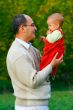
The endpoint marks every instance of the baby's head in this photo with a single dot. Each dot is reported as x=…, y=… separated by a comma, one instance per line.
x=55, y=21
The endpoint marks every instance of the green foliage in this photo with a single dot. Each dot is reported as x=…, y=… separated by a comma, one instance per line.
x=39, y=10
x=5, y=86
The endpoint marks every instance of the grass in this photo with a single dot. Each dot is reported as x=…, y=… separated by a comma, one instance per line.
x=60, y=100
x=7, y=101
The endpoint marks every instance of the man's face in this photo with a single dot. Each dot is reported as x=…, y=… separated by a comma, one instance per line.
x=30, y=28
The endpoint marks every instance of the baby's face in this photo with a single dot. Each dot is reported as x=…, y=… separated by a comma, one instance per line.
x=52, y=25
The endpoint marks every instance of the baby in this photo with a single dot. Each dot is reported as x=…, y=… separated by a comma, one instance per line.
x=54, y=42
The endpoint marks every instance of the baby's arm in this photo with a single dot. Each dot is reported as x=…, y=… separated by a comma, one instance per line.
x=54, y=36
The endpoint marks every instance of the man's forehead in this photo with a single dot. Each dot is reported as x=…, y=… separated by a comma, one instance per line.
x=28, y=18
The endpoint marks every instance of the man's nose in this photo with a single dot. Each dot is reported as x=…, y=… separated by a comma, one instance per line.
x=35, y=28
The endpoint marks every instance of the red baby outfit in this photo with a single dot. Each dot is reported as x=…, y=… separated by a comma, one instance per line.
x=50, y=49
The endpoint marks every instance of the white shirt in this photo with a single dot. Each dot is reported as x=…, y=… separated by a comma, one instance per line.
x=25, y=44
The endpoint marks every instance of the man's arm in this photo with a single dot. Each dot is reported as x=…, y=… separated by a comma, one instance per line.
x=28, y=76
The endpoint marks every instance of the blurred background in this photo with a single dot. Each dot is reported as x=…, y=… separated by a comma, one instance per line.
x=39, y=10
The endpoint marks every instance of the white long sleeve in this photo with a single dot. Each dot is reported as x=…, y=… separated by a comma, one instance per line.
x=54, y=36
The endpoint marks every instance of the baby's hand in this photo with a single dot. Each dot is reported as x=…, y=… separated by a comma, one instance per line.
x=49, y=31
x=42, y=38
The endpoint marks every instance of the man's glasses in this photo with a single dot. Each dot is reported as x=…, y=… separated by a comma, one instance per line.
x=30, y=25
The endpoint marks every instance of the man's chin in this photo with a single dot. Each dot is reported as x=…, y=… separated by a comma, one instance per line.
x=33, y=37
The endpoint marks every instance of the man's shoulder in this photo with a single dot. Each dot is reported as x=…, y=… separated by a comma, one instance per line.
x=15, y=51
x=36, y=49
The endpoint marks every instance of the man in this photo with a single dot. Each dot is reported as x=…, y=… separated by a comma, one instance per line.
x=31, y=89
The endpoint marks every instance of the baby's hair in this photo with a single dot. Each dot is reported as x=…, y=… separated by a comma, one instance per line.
x=57, y=17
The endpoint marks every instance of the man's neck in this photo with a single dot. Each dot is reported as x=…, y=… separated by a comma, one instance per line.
x=22, y=38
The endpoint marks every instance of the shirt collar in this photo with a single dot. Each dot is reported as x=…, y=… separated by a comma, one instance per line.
x=25, y=44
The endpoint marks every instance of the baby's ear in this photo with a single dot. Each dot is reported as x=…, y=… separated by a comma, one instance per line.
x=57, y=24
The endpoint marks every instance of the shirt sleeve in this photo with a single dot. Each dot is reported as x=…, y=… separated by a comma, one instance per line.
x=54, y=36
x=27, y=74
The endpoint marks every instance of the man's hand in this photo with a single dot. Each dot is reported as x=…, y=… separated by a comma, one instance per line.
x=56, y=61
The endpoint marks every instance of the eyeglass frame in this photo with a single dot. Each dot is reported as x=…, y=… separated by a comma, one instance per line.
x=32, y=25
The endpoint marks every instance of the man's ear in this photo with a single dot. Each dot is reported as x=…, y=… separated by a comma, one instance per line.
x=21, y=29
